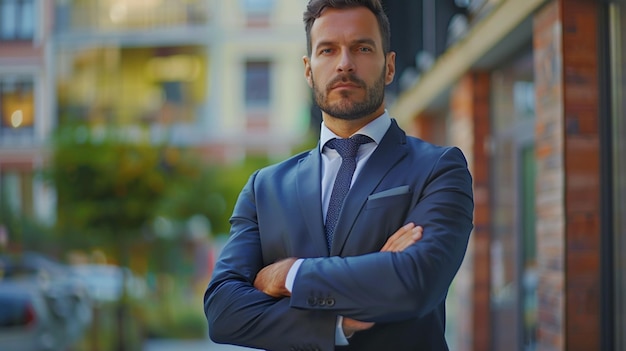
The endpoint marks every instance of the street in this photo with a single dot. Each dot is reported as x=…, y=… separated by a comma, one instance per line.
x=189, y=345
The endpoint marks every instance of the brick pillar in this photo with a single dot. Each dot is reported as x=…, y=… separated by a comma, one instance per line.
x=568, y=229
x=469, y=130
x=430, y=127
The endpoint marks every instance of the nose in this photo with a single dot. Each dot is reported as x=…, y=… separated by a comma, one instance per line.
x=346, y=62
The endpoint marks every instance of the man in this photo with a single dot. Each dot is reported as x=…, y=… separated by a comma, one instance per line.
x=306, y=269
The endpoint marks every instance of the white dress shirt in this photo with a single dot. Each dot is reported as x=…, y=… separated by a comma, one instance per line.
x=331, y=161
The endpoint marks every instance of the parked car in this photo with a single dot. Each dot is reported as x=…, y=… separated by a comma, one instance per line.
x=30, y=319
x=104, y=282
x=42, y=307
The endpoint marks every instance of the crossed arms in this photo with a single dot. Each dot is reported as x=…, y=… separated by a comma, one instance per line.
x=272, y=278
x=376, y=287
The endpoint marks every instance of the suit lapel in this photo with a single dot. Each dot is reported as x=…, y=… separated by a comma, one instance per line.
x=309, y=193
x=390, y=150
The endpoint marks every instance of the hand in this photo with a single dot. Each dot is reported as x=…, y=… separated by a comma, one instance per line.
x=271, y=279
x=351, y=326
x=404, y=237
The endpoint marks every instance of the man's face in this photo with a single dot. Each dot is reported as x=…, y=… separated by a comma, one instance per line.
x=348, y=69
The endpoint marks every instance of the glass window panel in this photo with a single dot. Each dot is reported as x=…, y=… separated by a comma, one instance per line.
x=11, y=192
x=17, y=103
x=8, y=19
x=16, y=192
x=17, y=19
x=258, y=12
x=513, y=276
x=258, y=6
x=529, y=273
x=27, y=20
x=257, y=83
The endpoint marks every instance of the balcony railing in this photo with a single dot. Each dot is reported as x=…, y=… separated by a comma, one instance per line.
x=115, y=15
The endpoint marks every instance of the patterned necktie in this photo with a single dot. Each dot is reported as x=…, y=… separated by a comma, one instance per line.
x=347, y=149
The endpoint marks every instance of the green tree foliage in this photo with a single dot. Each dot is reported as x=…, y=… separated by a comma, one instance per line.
x=110, y=187
x=107, y=185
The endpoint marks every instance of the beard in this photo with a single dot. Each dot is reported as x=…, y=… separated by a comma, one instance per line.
x=346, y=108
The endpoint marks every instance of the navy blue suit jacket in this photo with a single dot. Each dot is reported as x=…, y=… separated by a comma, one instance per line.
x=279, y=214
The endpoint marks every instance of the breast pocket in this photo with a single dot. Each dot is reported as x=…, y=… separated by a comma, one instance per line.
x=388, y=212
x=380, y=218
x=390, y=197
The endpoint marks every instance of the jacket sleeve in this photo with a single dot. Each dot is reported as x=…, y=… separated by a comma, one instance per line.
x=385, y=286
x=239, y=314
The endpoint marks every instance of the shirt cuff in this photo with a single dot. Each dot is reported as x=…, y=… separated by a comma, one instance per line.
x=340, y=337
x=291, y=275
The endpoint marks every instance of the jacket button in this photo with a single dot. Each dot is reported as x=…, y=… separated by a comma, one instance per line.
x=321, y=301
x=311, y=301
x=330, y=302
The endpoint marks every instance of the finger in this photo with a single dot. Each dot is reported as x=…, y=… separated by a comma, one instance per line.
x=271, y=278
x=352, y=325
x=403, y=230
x=260, y=279
x=406, y=240
x=418, y=233
x=402, y=241
x=398, y=234
x=264, y=280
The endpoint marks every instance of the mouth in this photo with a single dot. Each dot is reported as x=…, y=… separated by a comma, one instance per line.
x=345, y=83
x=344, y=86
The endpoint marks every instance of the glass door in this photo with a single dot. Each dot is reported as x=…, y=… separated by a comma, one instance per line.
x=513, y=173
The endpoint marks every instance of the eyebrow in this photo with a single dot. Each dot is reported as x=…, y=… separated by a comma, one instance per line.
x=357, y=41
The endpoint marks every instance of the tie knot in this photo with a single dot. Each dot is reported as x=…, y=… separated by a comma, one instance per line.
x=348, y=148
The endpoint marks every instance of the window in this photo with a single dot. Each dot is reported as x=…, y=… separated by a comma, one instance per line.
x=258, y=12
x=513, y=246
x=257, y=84
x=258, y=95
x=16, y=193
x=17, y=103
x=258, y=6
x=17, y=19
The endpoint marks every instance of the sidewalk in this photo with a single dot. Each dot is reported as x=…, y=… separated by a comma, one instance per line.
x=189, y=345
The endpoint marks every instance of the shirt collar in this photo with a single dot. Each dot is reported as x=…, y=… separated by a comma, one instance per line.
x=376, y=130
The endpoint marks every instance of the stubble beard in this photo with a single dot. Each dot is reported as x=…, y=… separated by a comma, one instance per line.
x=347, y=108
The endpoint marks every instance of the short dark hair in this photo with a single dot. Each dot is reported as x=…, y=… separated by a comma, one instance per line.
x=315, y=8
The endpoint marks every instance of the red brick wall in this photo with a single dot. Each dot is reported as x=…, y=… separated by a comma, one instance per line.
x=482, y=213
x=566, y=69
x=430, y=127
x=469, y=129
x=582, y=169
x=550, y=193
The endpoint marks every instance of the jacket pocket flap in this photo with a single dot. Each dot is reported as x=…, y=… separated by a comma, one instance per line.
x=390, y=192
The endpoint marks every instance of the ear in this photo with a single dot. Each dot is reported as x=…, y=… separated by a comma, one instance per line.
x=390, y=67
x=307, y=70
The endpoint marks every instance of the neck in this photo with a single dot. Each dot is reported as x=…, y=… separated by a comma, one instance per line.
x=344, y=128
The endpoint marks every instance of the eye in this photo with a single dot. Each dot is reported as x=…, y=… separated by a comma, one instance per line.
x=326, y=51
x=365, y=49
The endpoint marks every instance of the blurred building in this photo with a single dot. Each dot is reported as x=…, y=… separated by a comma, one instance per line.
x=223, y=77
x=534, y=92
x=26, y=106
